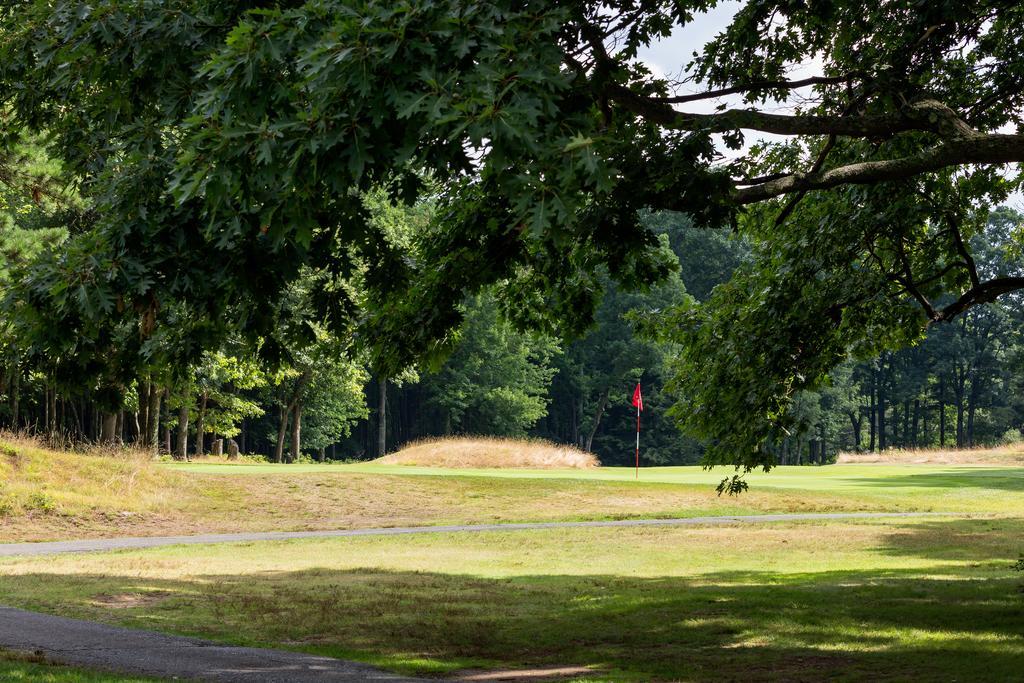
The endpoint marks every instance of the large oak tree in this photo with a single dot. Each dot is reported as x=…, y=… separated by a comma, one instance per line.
x=226, y=146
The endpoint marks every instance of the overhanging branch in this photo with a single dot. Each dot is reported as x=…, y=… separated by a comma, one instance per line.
x=980, y=149
x=983, y=293
x=754, y=87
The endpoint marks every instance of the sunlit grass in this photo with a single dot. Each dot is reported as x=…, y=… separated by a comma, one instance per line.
x=47, y=495
x=921, y=600
x=16, y=667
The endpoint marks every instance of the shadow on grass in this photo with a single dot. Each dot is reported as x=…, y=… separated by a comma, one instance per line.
x=992, y=542
x=949, y=623
x=1000, y=479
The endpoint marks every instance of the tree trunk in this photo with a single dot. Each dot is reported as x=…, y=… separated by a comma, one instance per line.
x=166, y=417
x=51, y=410
x=942, y=410
x=972, y=404
x=181, y=452
x=601, y=404
x=153, y=416
x=881, y=421
x=297, y=432
x=282, y=425
x=873, y=419
x=108, y=429
x=915, y=422
x=959, y=424
x=201, y=426
x=143, y=413
x=856, y=419
x=382, y=416
x=958, y=394
x=907, y=438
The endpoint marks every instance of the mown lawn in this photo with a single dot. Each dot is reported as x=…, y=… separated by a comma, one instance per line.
x=953, y=488
x=932, y=599
x=17, y=667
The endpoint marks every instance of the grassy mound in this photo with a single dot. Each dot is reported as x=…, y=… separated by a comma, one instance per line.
x=1001, y=455
x=36, y=481
x=474, y=452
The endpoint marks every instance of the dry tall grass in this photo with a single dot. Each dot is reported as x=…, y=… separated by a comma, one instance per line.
x=37, y=480
x=487, y=452
x=999, y=455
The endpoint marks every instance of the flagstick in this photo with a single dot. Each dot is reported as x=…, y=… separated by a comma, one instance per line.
x=637, y=476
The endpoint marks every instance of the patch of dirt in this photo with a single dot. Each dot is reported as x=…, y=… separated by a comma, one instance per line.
x=551, y=673
x=130, y=600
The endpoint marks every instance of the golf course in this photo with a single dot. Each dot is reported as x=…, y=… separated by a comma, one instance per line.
x=850, y=598
x=481, y=341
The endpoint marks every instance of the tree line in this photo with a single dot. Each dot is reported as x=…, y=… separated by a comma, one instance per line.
x=957, y=387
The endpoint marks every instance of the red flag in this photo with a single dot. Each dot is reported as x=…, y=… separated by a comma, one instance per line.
x=638, y=399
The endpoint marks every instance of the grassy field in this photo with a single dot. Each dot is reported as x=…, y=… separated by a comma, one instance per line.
x=46, y=495
x=907, y=600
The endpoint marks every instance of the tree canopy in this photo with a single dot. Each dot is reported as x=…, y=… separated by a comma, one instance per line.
x=218, y=152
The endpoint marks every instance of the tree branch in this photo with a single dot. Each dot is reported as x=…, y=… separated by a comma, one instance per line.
x=980, y=149
x=868, y=126
x=984, y=293
x=757, y=85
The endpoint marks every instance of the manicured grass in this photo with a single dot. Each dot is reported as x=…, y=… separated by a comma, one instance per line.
x=961, y=488
x=15, y=667
x=885, y=600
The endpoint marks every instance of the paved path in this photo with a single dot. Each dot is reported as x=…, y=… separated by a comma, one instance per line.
x=131, y=543
x=130, y=651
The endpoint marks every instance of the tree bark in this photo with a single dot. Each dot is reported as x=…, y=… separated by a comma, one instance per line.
x=873, y=417
x=108, y=429
x=153, y=416
x=856, y=419
x=181, y=453
x=297, y=432
x=201, y=425
x=282, y=425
